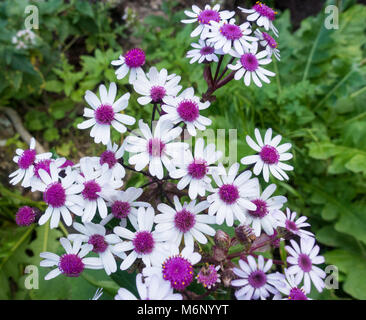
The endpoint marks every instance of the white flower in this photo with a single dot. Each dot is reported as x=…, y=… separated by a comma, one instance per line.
x=177, y=267
x=26, y=159
x=262, y=15
x=249, y=66
x=288, y=222
x=194, y=171
x=270, y=44
x=302, y=260
x=155, y=149
x=144, y=243
x=289, y=288
x=230, y=199
x=154, y=289
x=227, y=35
x=123, y=204
x=184, y=221
x=156, y=86
x=96, y=187
x=60, y=194
x=205, y=17
x=103, y=245
x=105, y=113
x=254, y=281
x=132, y=61
x=203, y=52
x=262, y=217
x=270, y=156
x=97, y=294
x=186, y=107
x=109, y=159
x=71, y=264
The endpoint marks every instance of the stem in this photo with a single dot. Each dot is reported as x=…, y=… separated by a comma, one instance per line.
x=218, y=68
x=226, y=68
x=225, y=80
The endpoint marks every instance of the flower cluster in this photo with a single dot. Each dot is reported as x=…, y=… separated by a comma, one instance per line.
x=169, y=228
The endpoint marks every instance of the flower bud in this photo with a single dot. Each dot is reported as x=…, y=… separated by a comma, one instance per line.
x=222, y=239
x=227, y=276
x=219, y=254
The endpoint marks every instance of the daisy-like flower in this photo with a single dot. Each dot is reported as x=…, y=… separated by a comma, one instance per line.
x=209, y=276
x=186, y=107
x=109, y=159
x=302, y=260
x=105, y=113
x=72, y=263
x=289, y=222
x=123, y=205
x=177, y=267
x=262, y=15
x=144, y=243
x=289, y=288
x=230, y=199
x=194, y=171
x=270, y=156
x=263, y=216
x=26, y=160
x=203, y=52
x=60, y=194
x=270, y=44
x=205, y=17
x=155, y=149
x=96, y=187
x=156, y=86
x=184, y=221
x=154, y=289
x=254, y=281
x=249, y=66
x=132, y=61
x=226, y=35
x=103, y=244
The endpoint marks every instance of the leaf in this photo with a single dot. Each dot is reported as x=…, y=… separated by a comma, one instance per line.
x=357, y=163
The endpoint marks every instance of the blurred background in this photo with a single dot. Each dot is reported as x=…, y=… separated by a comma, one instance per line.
x=317, y=102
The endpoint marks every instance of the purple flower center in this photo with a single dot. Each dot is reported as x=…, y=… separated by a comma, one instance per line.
x=27, y=159
x=231, y=31
x=229, y=193
x=207, y=50
x=271, y=42
x=188, y=110
x=55, y=195
x=198, y=169
x=155, y=147
x=108, y=157
x=304, y=262
x=290, y=225
x=91, y=188
x=208, y=15
x=261, y=210
x=297, y=294
x=25, y=216
x=249, y=61
x=43, y=164
x=208, y=277
x=71, y=265
x=269, y=154
x=157, y=93
x=143, y=242
x=121, y=209
x=184, y=220
x=257, y=279
x=265, y=11
x=67, y=163
x=178, y=271
x=104, y=114
x=135, y=58
x=98, y=242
